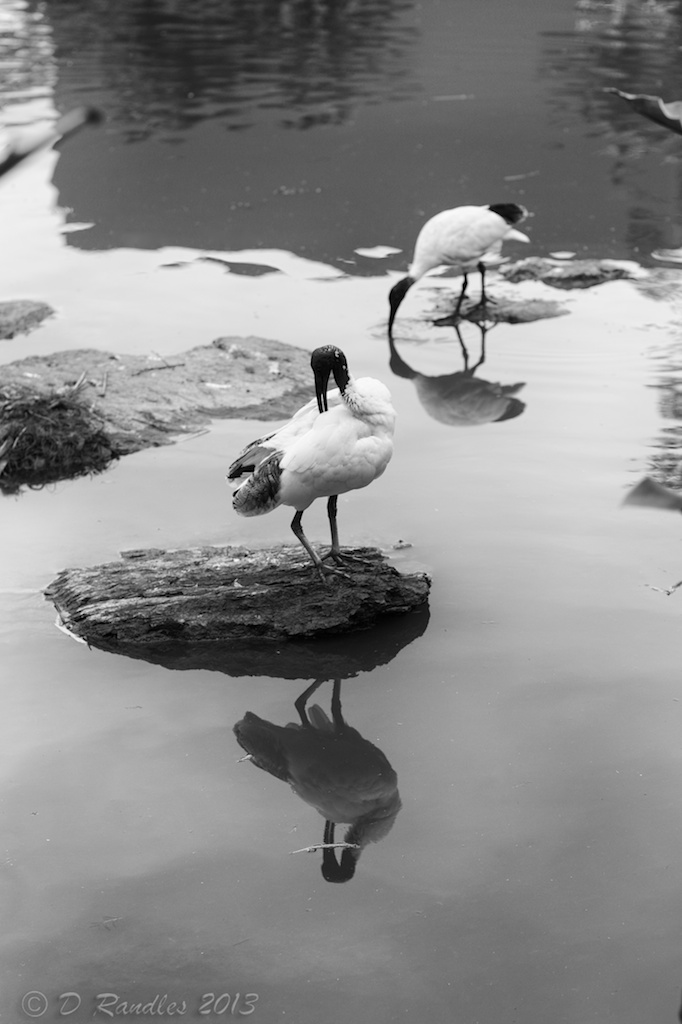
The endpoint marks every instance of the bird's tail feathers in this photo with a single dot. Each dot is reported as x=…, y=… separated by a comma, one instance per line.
x=260, y=492
x=250, y=457
x=518, y=236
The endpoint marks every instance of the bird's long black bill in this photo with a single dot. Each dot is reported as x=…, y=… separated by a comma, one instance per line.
x=321, y=385
x=395, y=297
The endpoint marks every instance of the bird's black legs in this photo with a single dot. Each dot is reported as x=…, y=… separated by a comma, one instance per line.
x=484, y=331
x=303, y=699
x=336, y=704
x=481, y=270
x=335, y=552
x=485, y=299
x=300, y=535
x=465, y=351
x=461, y=295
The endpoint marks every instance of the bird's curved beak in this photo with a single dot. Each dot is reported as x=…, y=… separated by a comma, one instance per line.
x=395, y=297
x=322, y=375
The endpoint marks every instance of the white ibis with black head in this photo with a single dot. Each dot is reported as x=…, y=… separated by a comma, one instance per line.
x=339, y=443
x=67, y=124
x=464, y=238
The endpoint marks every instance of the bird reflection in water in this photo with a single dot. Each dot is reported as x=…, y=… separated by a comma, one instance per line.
x=334, y=769
x=461, y=399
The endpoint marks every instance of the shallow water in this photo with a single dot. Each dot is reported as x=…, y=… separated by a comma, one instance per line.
x=532, y=715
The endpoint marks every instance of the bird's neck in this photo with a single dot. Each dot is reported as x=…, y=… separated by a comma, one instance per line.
x=364, y=405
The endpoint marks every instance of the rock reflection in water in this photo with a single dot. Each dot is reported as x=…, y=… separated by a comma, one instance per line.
x=461, y=399
x=321, y=659
x=334, y=769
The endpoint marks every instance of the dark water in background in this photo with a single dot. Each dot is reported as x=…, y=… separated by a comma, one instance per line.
x=316, y=127
x=531, y=716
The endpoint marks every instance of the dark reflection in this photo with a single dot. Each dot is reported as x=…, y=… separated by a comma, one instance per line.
x=336, y=657
x=334, y=769
x=461, y=399
x=649, y=493
x=165, y=65
x=634, y=46
x=666, y=451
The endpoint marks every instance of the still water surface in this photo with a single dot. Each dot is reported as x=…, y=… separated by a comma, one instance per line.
x=532, y=716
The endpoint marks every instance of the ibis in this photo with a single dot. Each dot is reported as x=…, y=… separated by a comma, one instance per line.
x=334, y=444
x=464, y=238
x=332, y=767
x=66, y=125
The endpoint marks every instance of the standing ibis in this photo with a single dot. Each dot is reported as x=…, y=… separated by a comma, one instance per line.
x=61, y=129
x=334, y=769
x=464, y=238
x=335, y=444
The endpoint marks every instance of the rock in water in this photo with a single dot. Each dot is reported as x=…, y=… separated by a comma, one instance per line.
x=201, y=595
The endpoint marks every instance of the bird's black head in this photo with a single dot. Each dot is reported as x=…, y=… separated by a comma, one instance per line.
x=341, y=870
x=510, y=212
x=396, y=296
x=324, y=361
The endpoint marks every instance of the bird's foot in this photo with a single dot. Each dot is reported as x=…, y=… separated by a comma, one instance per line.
x=451, y=320
x=340, y=557
x=326, y=571
x=485, y=300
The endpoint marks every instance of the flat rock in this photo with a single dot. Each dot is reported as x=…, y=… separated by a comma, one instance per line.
x=565, y=274
x=501, y=310
x=21, y=316
x=228, y=595
x=144, y=401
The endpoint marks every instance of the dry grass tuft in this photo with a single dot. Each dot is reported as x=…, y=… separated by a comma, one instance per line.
x=49, y=437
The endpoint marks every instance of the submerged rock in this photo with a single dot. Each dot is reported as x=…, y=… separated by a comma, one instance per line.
x=225, y=595
x=567, y=275
x=21, y=316
x=508, y=311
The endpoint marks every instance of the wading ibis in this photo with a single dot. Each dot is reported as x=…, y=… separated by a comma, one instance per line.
x=61, y=129
x=334, y=769
x=463, y=238
x=335, y=444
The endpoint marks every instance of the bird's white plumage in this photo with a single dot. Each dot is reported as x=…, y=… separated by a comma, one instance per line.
x=460, y=238
x=465, y=237
x=344, y=449
x=328, y=453
x=319, y=454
